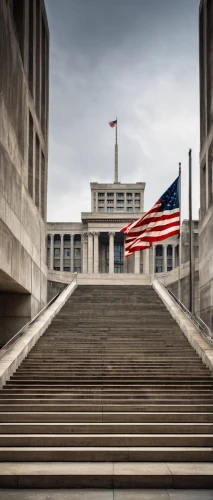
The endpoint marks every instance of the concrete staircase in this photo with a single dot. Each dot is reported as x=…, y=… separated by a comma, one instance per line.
x=112, y=380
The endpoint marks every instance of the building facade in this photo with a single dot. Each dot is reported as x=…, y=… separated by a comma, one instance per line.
x=24, y=74
x=95, y=245
x=206, y=161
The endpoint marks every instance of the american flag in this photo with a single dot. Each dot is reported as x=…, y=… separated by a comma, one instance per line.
x=113, y=123
x=161, y=222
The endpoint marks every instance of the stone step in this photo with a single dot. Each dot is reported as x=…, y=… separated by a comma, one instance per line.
x=107, y=408
x=106, y=440
x=106, y=428
x=106, y=402
x=146, y=394
x=106, y=454
x=96, y=388
x=77, y=475
x=127, y=417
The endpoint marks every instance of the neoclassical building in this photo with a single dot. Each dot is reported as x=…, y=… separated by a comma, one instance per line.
x=95, y=245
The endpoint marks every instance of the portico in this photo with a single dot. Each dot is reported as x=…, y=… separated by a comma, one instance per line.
x=96, y=246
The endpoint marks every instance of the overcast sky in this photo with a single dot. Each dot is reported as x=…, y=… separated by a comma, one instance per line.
x=134, y=59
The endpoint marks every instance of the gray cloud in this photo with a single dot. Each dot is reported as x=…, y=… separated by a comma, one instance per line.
x=137, y=60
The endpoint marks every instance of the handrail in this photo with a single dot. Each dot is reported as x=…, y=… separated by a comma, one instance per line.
x=194, y=318
x=19, y=334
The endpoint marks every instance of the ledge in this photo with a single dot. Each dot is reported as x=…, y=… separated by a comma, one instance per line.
x=201, y=346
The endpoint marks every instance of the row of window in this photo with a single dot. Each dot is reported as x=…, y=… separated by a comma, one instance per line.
x=67, y=252
x=118, y=209
x=67, y=269
x=66, y=237
x=119, y=195
x=119, y=204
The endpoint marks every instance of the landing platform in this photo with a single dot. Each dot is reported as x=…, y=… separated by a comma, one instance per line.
x=106, y=475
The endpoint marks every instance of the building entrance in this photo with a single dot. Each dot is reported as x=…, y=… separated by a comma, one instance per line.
x=118, y=258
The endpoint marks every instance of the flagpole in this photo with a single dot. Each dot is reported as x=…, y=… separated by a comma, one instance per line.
x=191, y=248
x=180, y=238
x=116, y=151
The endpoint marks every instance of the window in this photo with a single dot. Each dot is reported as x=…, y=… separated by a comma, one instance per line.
x=56, y=252
x=137, y=196
x=110, y=209
x=120, y=202
x=110, y=202
x=169, y=251
x=100, y=202
x=110, y=195
x=67, y=269
x=159, y=259
x=118, y=258
x=77, y=253
x=159, y=269
x=120, y=195
x=57, y=237
x=169, y=257
x=159, y=251
x=56, y=268
x=101, y=209
x=101, y=195
x=129, y=195
x=119, y=209
x=66, y=252
x=77, y=269
x=129, y=202
x=129, y=209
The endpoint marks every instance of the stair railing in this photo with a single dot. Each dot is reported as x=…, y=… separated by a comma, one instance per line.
x=195, y=319
x=24, y=328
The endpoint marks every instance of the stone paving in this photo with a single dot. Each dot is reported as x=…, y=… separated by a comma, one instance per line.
x=106, y=494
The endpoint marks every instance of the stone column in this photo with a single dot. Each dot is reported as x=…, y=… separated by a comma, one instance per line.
x=96, y=253
x=146, y=261
x=90, y=253
x=72, y=253
x=165, y=258
x=173, y=256
x=62, y=253
x=111, y=253
x=137, y=263
x=51, y=251
x=85, y=258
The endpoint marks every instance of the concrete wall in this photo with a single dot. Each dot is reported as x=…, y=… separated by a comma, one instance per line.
x=206, y=162
x=23, y=272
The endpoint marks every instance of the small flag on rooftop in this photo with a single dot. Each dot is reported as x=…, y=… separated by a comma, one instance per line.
x=161, y=222
x=113, y=123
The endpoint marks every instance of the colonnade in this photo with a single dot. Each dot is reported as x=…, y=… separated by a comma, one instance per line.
x=62, y=251
x=90, y=254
